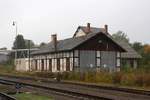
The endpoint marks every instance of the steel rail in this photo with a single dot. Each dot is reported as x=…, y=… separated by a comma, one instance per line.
x=4, y=96
x=64, y=91
x=121, y=89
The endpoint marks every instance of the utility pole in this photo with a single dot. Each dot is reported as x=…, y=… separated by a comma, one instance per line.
x=15, y=24
x=29, y=47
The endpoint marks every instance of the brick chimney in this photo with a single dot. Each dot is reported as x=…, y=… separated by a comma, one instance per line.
x=54, y=41
x=88, y=28
x=106, y=28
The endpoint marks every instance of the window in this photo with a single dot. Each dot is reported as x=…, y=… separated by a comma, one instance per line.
x=61, y=64
x=76, y=53
x=118, y=62
x=71, y=63
x=98, y=62
x=64, y=54
x=71, y=54
x=64, y=63
x=118, y=54
x=53, y=63
x=67, y=54
x=98, y=54
x=76, y=62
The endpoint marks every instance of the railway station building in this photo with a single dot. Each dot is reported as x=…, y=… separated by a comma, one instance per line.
x=89, y=48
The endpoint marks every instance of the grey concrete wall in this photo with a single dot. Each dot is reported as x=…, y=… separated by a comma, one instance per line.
x=3, y=58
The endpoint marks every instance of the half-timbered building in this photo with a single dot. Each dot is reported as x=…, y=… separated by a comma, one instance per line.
x=89, y=48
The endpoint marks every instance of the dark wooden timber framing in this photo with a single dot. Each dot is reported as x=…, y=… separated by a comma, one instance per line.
x=68, y=56
x=36, y=64
x=58, y=64
x=42, y=64
x=67, y=64
x=94, y=44
x=100, y=42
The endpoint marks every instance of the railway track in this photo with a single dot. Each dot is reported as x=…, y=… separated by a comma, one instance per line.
x=79, y=95
x=129, y=90
x=4, y=96
x=104, y=92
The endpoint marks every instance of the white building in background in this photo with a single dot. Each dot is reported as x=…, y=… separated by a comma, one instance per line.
x=23, y=61
x=4, y=55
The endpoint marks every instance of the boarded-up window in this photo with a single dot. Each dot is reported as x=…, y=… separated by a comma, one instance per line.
x=76, y=53
x=76, y=62
x=98, y=54
x=71, y=63
x=61, y=64
x=58, y=64
x=118, y=54
x=67, y=64
x=64, y=64
x=98, y=62
x=118, y=61
x=71, y=54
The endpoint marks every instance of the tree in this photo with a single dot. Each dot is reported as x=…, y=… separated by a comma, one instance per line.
x=27, y=43
x=147, y=49
x=4, y=48
x=121, y=36
x=19, y=42
x=42, y=44
x=137, y=46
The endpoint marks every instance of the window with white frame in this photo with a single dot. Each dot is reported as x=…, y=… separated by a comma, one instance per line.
x=98, y=62
x=76, y=53
x=67, y=54
x=64, y=63
x=71, y=63
x=98, y=58
x=76, y=62
x=118, y=54
x=98, y=54
x=71, y=54
x=118, y=61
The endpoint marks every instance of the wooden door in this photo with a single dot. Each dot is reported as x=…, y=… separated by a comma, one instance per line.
x=42, y=64
x=58, y=64
x=35, y=64
x=67, y=64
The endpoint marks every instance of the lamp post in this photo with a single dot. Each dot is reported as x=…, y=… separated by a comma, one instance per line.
x=29, y=47
x=15, y=24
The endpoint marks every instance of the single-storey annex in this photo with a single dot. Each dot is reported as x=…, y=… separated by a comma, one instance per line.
x=89, y=48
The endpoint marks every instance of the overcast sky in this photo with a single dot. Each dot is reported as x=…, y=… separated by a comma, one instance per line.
x=38, y=19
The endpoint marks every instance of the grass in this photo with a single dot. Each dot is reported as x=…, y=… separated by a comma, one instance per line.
x=127, y=77
x=6, y=88
x=30, y=96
